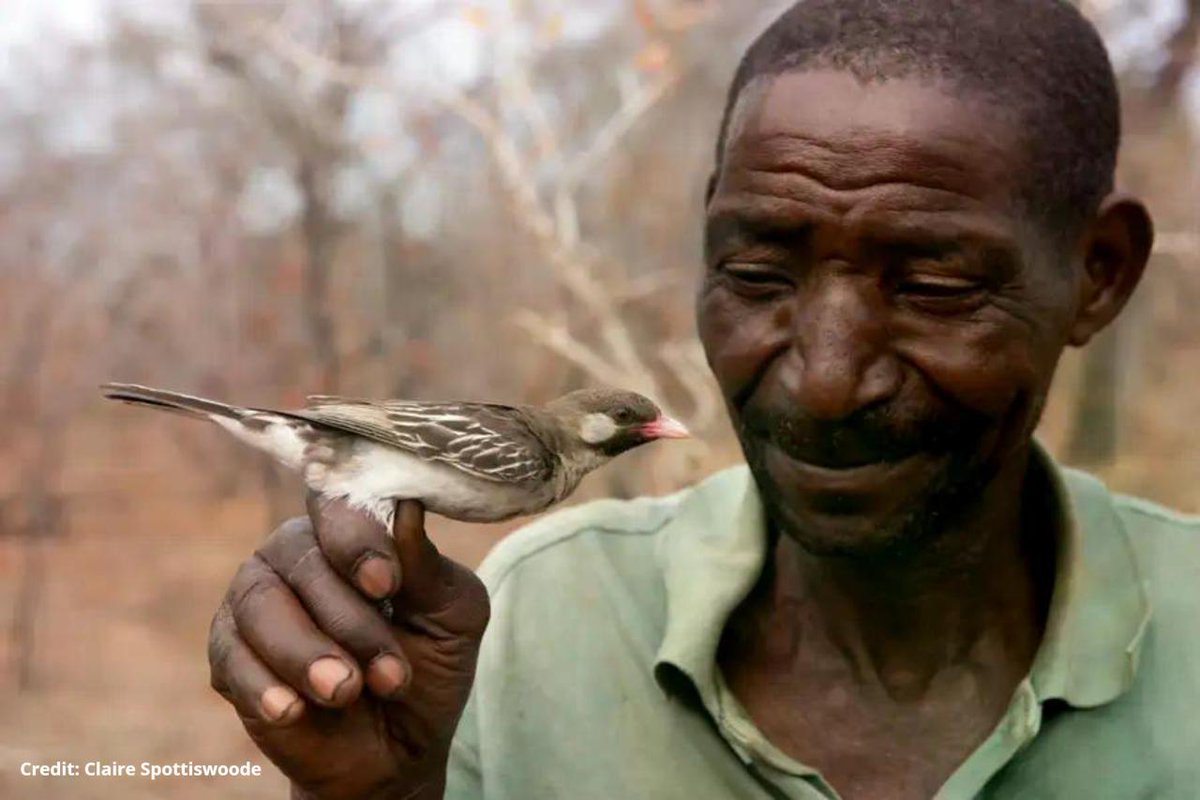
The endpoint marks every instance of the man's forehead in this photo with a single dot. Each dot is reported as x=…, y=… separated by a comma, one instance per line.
x=850, y=135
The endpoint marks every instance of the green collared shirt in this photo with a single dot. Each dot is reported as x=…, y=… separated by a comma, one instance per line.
x=597, y=677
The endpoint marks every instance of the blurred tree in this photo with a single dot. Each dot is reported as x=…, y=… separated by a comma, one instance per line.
x=1112, y=361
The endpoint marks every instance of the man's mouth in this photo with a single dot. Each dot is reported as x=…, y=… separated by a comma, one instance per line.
x=867, y=477
x=846, y=455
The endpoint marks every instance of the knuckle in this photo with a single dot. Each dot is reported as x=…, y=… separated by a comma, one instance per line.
x=352, y=623
x=479, y=604
x=348, y=531
x=219, y=684
x=464, y=606
x=474, y=589
x=452, y=654
x=290, y=531
x=348, y=625
x=253, y=579
x=289, y=545
x=295, y=528
x=306, y=567
x=220, y=645
x=218, y=632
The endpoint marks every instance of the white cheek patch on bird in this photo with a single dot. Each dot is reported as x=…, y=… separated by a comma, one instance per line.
x=597, y=428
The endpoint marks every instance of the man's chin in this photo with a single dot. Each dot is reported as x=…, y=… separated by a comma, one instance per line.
x=874, y=511
x=827, y=533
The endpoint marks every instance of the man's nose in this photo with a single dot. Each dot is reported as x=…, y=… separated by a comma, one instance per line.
x=840, y=361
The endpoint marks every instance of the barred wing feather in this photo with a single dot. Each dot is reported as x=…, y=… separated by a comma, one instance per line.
x=486, y=440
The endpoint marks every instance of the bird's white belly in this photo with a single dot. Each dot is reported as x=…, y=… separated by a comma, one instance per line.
x=374, y=476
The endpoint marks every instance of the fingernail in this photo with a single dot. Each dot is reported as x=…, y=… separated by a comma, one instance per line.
x=376, y=577
x=277, y=703
x=386, y=675
x=326, y=675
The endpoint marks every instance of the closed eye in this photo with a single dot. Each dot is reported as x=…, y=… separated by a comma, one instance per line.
x=939, y=287
x=942, y=295
x=755, y=278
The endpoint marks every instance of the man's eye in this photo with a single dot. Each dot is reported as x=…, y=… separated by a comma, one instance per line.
x=942, y=295
x=758, y=278
x=939, y=287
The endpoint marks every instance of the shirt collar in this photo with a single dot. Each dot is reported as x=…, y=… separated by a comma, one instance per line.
x=1099, y=610
x=713, y=549
x=710, y=553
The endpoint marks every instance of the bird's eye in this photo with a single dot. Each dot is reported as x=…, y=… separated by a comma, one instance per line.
x=622, y=416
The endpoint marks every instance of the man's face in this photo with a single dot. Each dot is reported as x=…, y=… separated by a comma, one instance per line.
x=882, y=318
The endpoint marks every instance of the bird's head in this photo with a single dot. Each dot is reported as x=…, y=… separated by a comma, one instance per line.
x=610, y=421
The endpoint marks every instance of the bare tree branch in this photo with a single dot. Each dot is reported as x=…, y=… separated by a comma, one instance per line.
x=559, y=340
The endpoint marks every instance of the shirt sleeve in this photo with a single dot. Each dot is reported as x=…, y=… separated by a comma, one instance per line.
x=464, y=777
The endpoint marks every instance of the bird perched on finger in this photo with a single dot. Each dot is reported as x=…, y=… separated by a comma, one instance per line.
x=476, y=462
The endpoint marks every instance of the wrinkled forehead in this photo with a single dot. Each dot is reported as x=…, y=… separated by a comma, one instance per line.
x=849, y=135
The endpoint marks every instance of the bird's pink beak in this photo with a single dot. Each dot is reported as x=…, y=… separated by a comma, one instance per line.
x=665, y=428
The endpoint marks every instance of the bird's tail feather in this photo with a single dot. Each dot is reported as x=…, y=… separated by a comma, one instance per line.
x=171, y=401
x=280, y=434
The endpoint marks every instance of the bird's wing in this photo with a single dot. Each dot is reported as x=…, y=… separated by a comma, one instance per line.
x=486, y=440
x=337, y=400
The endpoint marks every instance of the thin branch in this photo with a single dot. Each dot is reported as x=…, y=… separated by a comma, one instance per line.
x=519, y=181
x=618, y=126
x=519, y=88
x=556, y=338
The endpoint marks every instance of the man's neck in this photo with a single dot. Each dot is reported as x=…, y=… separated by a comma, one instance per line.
x=976, y=597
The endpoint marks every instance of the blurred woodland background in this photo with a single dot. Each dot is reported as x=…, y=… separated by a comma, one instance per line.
x=418, y=198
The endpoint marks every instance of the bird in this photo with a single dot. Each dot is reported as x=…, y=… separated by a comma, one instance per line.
x=469, y=461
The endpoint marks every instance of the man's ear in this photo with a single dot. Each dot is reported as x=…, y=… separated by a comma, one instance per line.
x=1116, y=249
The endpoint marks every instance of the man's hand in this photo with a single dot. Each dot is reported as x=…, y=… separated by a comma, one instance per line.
x=299, y=634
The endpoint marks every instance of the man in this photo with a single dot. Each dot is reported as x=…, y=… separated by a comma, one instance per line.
x=900, y=595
